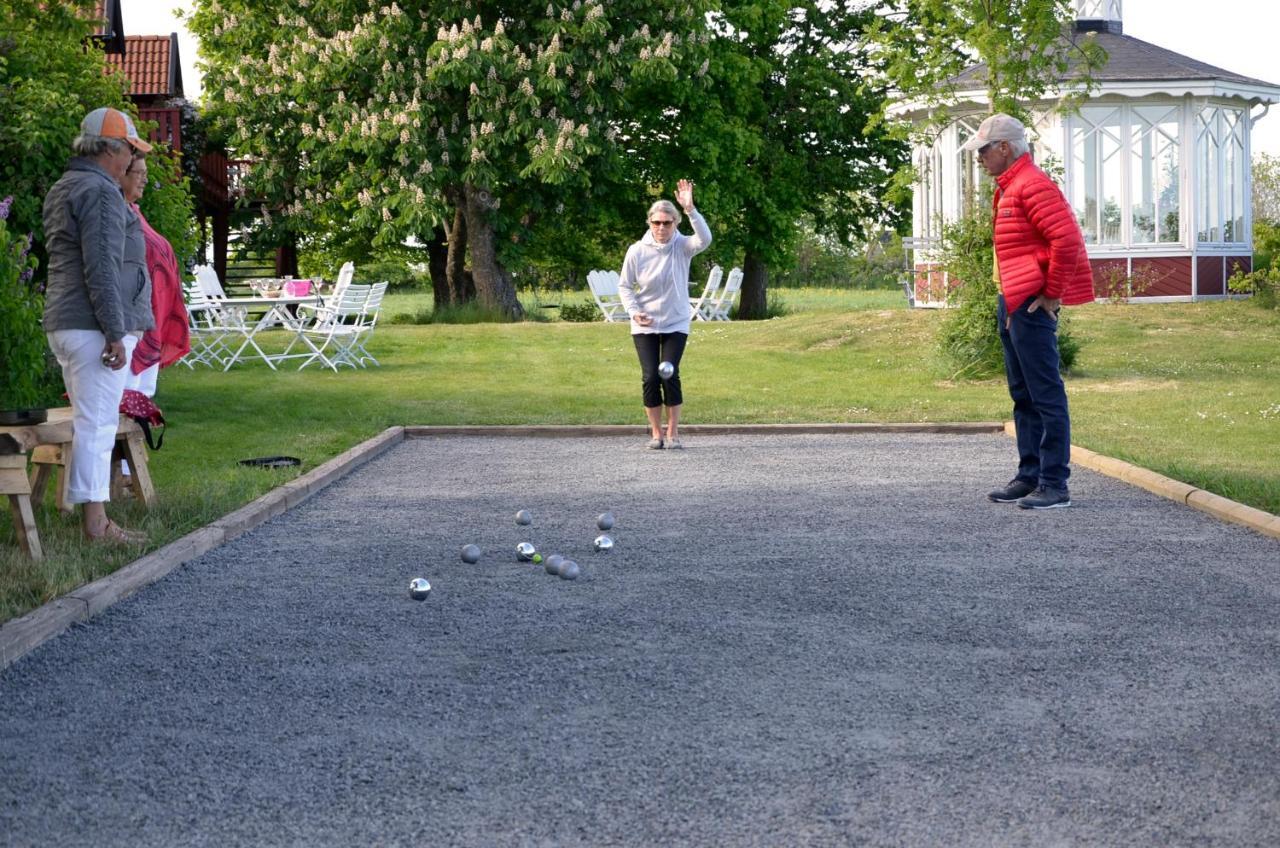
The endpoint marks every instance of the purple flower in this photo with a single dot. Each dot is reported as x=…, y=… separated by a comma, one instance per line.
x=4, y=207
x=26, y=275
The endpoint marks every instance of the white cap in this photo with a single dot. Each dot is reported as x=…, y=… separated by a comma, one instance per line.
x=998, y=127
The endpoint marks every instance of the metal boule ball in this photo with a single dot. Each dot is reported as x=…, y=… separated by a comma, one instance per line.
x=553, y=564
x=603, y=544
x=569, y=570
x=471, y=554
x=525, y=551
x=605, y=521
x=665, y=370
x=419, y=588
x=524, y=518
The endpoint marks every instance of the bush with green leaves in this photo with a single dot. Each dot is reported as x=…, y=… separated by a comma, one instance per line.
x=1263, y=282
x=25, y=378
x=580, y=312
x=969, y=339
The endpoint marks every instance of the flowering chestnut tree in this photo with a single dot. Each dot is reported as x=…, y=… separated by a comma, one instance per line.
x=484, y=118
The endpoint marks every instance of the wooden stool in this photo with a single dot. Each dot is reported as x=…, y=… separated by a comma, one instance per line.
x=49, y=462
x=14, y=483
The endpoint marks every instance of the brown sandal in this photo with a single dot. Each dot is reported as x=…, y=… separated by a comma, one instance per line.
x=114, y=534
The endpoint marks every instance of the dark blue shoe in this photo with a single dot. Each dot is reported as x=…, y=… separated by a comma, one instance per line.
x=1010, y=493
x=1045, y=497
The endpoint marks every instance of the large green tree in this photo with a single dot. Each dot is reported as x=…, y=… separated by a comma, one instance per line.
x=779, y=132
x=482, y=118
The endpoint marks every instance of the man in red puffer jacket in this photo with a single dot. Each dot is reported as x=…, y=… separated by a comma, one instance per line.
x=1041, y=263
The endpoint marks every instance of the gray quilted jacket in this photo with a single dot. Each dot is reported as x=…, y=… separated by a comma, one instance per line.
x=97, y=256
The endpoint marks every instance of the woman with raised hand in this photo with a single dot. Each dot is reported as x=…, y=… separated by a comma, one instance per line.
x=654, y=289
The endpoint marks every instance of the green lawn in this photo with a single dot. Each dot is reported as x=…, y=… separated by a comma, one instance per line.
x=1188, y=390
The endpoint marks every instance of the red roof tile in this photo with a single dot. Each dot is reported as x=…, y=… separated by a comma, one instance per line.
x=151, y=64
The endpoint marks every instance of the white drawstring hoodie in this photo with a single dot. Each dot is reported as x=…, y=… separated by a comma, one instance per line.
x=655, y=278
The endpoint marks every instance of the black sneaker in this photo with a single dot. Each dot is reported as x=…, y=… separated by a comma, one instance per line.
x=1010, y=493
x=1046, y=498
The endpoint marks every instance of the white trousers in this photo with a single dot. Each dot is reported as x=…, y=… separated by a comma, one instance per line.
x=144, y=382
x=95, y=391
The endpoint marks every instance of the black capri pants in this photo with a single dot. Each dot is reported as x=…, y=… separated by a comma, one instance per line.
x=655, y=348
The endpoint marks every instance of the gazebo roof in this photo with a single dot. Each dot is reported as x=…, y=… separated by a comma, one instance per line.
x=1138, y=67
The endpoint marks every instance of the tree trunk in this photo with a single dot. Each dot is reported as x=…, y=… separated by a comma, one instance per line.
x=753, y=302
x=438, y=265
x=456, y=261
x=493, y=282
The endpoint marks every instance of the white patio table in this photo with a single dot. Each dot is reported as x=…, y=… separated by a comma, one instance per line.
x=272, y=312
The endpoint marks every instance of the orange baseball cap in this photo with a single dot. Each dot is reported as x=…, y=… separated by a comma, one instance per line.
x=112, y=123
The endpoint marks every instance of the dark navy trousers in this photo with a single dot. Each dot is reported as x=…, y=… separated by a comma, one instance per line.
x=1039, y=396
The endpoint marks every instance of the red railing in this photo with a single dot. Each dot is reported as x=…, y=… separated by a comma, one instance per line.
x=168, y=126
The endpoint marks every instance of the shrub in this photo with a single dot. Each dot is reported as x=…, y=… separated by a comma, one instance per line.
x=969, y=339
x=580, y=312
x=26, y=378
x=1263, y=282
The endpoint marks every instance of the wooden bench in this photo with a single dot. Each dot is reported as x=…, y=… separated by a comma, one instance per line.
x=48, y=446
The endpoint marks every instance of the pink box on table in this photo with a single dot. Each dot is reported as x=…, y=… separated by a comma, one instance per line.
x=297, y=288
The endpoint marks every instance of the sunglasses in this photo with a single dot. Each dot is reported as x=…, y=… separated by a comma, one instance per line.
x=982, y=151
x=666, y=223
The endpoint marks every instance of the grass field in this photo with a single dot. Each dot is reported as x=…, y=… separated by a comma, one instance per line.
x=1188, y=390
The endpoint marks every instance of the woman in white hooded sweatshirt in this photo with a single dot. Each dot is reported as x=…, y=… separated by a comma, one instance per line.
x=654, y=288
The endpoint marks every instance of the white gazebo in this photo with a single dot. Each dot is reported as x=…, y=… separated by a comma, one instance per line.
x=1155, y=164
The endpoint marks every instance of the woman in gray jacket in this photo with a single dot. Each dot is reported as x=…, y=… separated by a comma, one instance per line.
x=654, y=289
x=97, y=304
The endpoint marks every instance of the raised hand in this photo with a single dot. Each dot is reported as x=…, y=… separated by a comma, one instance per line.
x=684, y=195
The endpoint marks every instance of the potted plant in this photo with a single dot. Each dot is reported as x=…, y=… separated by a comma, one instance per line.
x=27, y=385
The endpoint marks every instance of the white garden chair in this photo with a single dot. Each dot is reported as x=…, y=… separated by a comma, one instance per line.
x=723, y=301
x=208, y=336
x=335, y=336
x=701, y=306
x=207, y=278
x=604, y=288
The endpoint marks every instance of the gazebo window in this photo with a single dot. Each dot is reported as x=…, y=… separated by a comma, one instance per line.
x=1220, y=209
x=1154, y=174
x=1097, y=179
x=1125, y=176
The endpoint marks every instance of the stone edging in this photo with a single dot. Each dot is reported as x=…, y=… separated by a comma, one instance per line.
x=1175, y=490
x=22, y=635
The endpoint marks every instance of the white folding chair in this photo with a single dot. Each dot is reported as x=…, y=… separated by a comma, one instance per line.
x=205, y=325
x=723, y=302
x=604, y=288
x=332, y=336
x=702, y=305
x=369, y=320
x=209, y=283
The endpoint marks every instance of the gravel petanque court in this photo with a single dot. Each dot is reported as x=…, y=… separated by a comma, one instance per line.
x=797, y=640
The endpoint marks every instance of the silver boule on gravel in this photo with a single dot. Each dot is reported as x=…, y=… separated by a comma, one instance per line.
x=603, y=544
x=605, y=521
x=419, y=588
x=525, y=551
x=524, y=518
x=569, y=570
x=553, y=564
x=471, y=554
x=665, y=370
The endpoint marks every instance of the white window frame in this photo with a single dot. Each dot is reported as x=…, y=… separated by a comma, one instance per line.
x=1127, y=125
x=1219, y=183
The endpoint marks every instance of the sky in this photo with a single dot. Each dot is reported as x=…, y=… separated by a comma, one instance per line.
x=1237, y=35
